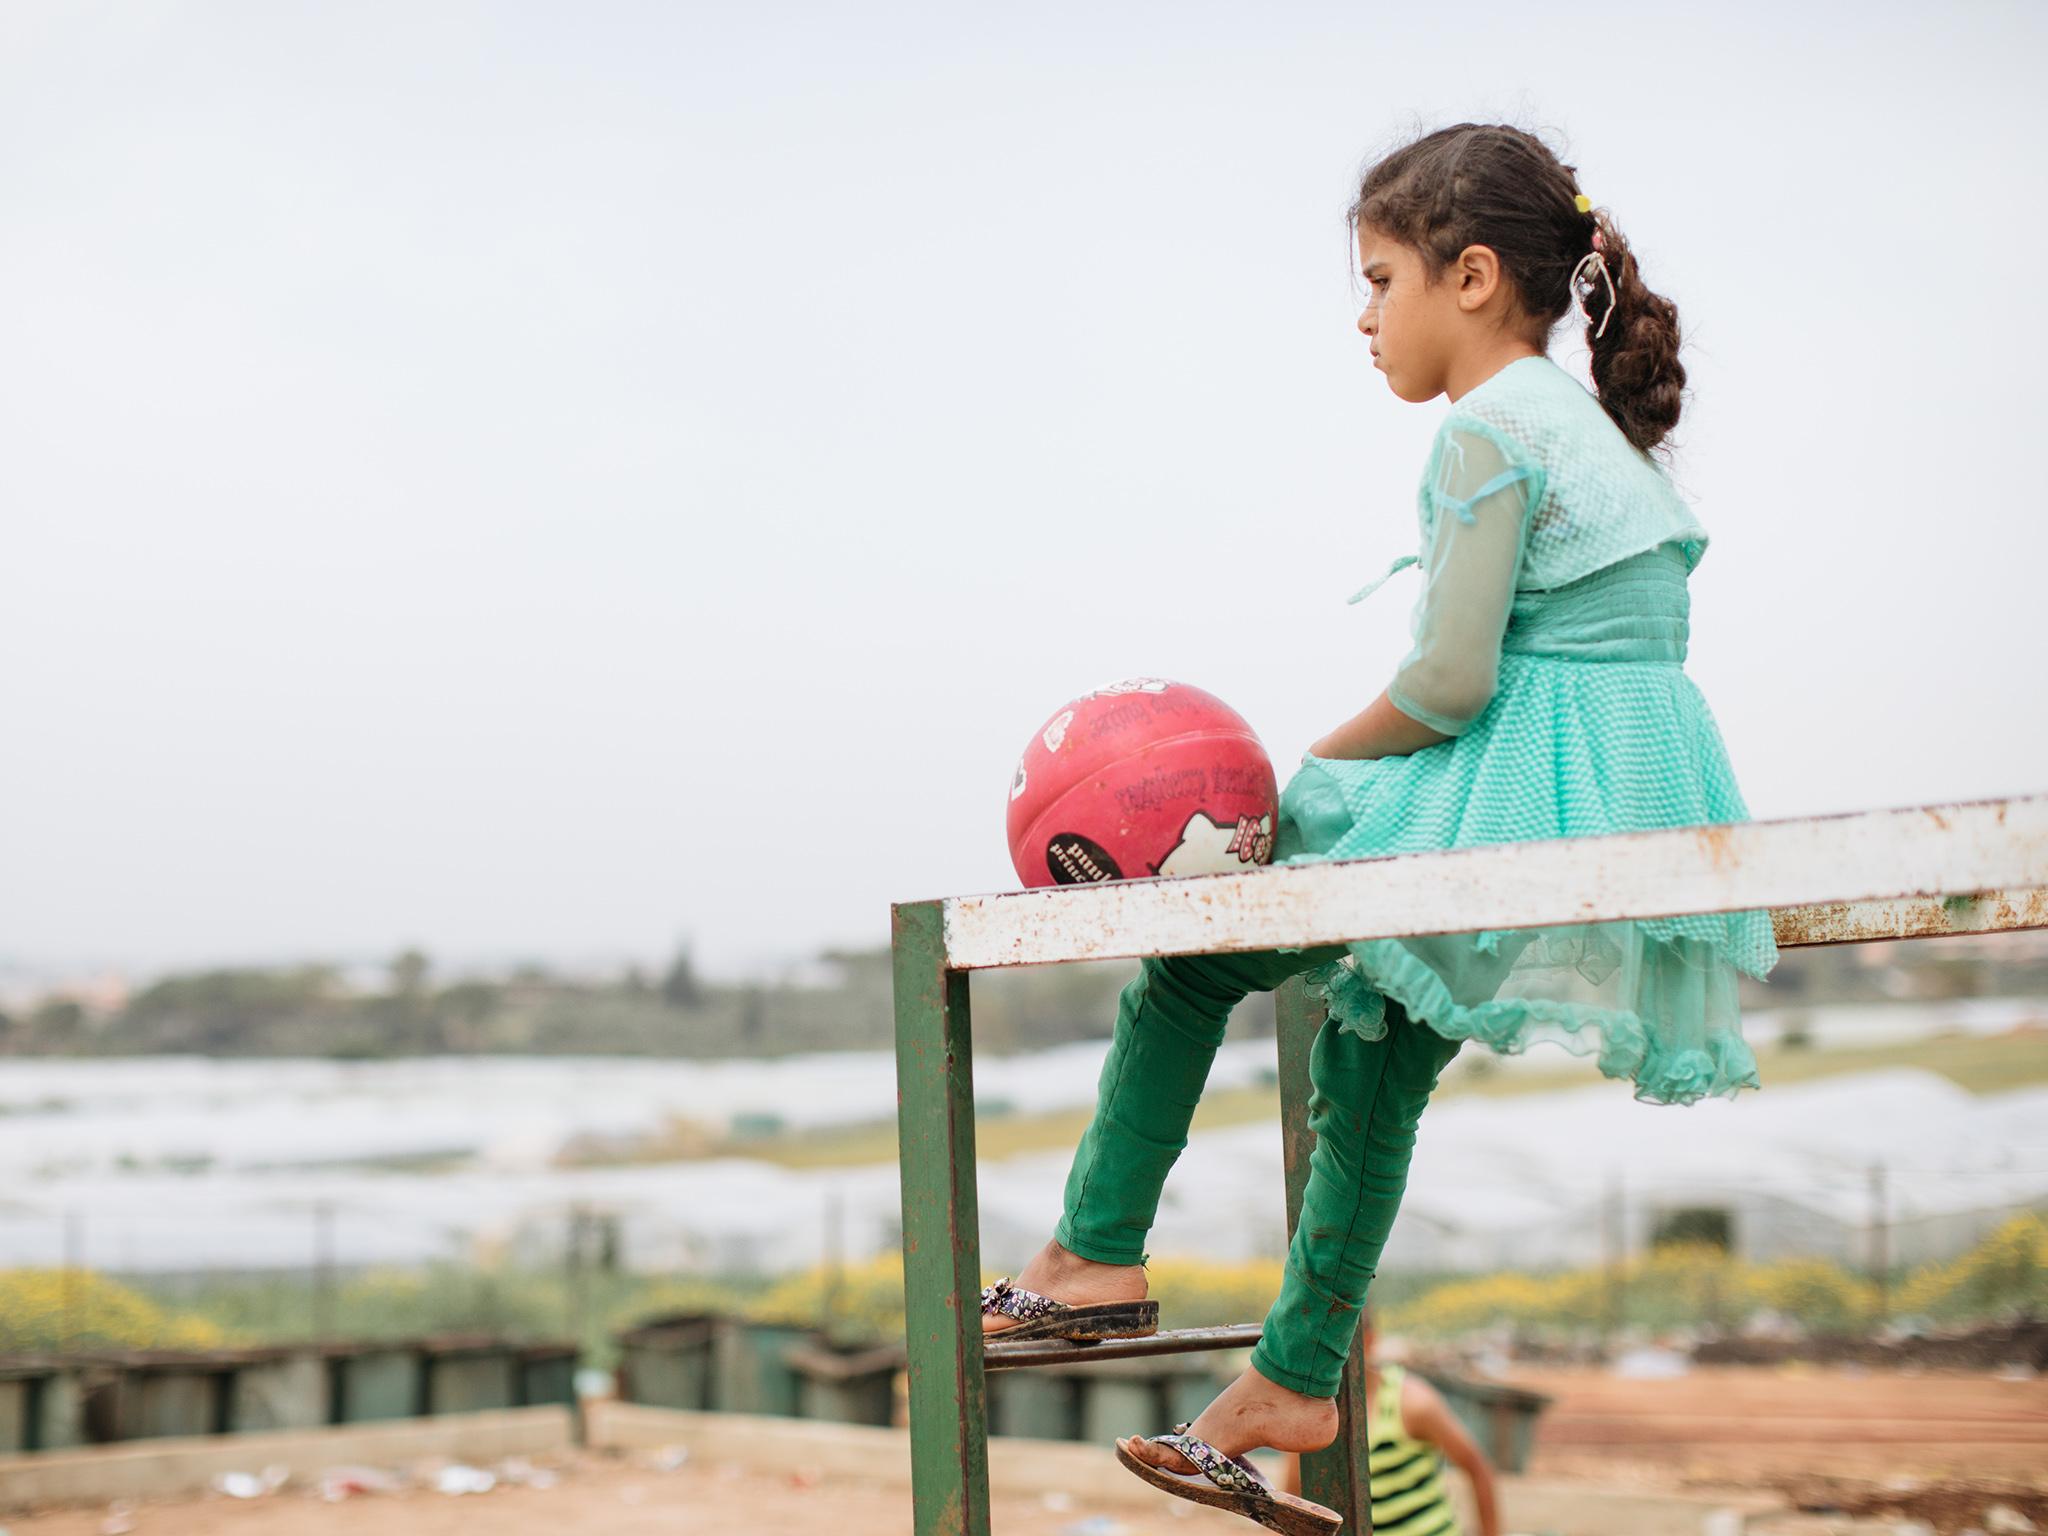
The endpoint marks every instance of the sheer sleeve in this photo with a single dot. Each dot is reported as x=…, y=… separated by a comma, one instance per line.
x=1477, y=517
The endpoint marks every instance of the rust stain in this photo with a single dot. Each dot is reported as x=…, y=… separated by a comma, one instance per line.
x=1852, y=922
x=1714, y=840
x=1937, y=818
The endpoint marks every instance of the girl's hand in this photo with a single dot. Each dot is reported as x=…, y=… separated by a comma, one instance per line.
x=1380, y=730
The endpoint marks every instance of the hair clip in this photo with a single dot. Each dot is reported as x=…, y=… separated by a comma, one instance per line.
x=1582, y=287
x=1583, y=203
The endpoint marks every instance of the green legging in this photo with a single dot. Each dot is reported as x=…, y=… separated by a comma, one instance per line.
x=1367, y=1097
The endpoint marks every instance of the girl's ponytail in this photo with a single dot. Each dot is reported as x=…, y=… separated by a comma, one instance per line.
x=1635, y=366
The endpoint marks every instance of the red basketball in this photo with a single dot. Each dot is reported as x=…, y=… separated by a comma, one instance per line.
x=1138, y=779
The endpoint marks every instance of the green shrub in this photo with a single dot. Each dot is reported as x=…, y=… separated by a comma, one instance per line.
x=48, y=1309
x=1821, y=1296
x=2005, y=1275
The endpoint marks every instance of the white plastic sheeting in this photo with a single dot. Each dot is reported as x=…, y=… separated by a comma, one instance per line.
x=189, y=1164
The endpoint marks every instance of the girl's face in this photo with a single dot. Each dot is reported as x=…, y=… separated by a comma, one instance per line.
x=1414, y=324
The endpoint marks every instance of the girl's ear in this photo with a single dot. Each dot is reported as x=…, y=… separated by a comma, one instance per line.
x=1478, y=274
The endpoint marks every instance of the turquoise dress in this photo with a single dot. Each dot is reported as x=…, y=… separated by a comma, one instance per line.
x=1550, y=639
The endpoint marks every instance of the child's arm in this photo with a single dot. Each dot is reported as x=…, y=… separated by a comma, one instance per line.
x=1428, y=1418
x=1379, y=730
x=1482, y=510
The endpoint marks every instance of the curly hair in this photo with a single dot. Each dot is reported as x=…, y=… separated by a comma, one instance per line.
x=1496, y=186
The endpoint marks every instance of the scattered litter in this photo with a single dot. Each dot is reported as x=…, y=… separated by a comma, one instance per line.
x=1651, y=1364
x=2004, y=1520
x=1057, y=1500
x=458, y=1479
x=668, y=1459
x=120, y=1520
x=518, y=1472
x=1096, y=1525
x=338, y=1483
x=2015, y=1370
x=252, y=1485
x=803, y=1477
x=1914, y=1528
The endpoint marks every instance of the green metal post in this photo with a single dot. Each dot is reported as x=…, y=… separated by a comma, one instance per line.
x=941, y=1231
x=1340, y=1475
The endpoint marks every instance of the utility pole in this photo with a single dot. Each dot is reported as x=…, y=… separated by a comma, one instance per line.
x=578, y=1286
x=74, y=1261
x=1611, y=1244
x=1880, y=1241
x=323, y=1269
x=835, y=1253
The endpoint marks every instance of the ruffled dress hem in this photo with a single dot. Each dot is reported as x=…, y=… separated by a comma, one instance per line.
x=1355, y=991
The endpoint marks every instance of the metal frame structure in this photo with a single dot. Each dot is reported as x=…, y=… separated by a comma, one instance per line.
x=1979, y=867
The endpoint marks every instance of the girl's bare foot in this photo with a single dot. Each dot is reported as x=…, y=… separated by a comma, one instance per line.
x=1079, y=1282
x=1251, y=1413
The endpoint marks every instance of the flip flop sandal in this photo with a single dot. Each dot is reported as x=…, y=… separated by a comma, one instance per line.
x=1040, y=1317
x=1232, y=1483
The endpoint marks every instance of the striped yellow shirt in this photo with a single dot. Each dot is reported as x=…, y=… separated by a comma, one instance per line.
x=1410, y=1496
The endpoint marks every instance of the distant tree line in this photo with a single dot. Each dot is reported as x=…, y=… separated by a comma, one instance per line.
x=843, y=1004
x=308, y=1010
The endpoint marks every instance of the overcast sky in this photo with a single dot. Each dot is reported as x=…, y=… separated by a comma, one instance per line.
x=534, y=479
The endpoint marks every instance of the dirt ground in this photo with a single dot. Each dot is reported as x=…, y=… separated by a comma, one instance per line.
x=1941, y=1448
x=603, y=1496
x=1742, y=1425
x=1937, y=1447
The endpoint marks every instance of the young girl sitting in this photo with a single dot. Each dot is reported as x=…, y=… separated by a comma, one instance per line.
x=1545, y=697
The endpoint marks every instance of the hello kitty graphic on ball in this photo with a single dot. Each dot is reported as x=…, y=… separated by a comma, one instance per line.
x=1144, y=777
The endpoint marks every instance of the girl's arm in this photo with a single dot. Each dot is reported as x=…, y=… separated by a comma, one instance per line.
x=1428, y=1418
x=1483, y=502
x=1379, y=730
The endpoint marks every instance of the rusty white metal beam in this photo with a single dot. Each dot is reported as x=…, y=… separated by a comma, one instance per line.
x=1843, y=875
x=1925, y=917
